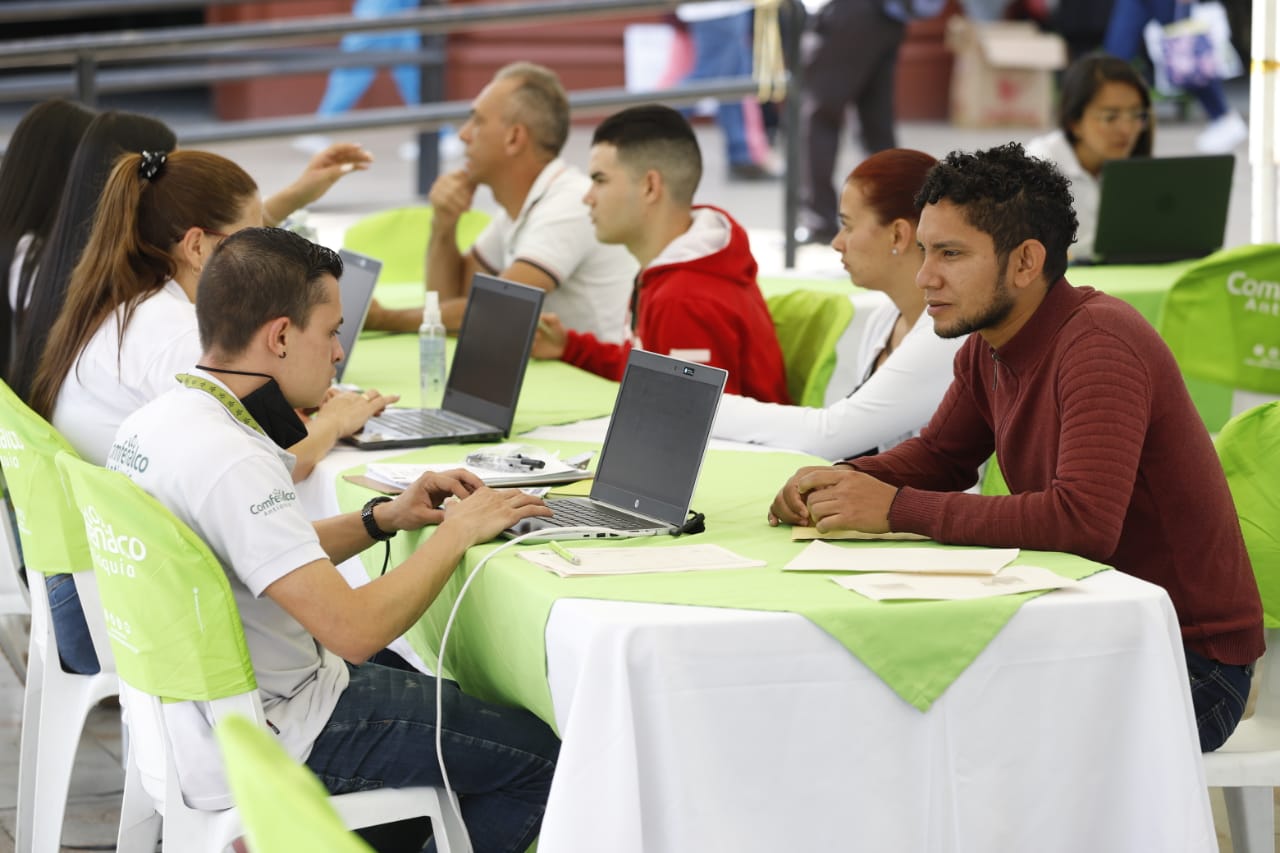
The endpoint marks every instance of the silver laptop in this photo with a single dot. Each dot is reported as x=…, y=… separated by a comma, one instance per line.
x=652, y=453
x=485, y=378
x=359, y=278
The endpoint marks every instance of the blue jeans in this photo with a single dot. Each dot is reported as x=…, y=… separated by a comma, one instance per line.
x=347, y=85
x=500, y=760
x=1124, y=38
x=70, y=632
x=722, y=48
x=1218, y=695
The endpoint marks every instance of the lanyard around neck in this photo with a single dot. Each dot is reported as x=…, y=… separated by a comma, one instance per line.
x=232, y=405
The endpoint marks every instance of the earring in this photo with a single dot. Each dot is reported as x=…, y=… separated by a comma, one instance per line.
x=894, y=251
x=283, y=354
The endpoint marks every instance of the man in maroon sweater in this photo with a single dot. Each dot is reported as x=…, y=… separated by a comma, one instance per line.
x=1086, y=411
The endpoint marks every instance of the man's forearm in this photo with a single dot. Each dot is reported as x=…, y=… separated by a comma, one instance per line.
x=445, y=264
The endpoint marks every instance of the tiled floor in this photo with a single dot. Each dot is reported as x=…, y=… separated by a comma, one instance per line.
x=96, y=785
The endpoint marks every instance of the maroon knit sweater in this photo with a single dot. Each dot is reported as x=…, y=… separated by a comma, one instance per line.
x=1105, y=457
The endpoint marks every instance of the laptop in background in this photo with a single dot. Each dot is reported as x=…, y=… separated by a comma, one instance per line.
x=652, y=453
x=484, y=380
x=1160, y=209
x=359, y=278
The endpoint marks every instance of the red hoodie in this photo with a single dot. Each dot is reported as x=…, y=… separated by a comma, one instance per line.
x=699, y=301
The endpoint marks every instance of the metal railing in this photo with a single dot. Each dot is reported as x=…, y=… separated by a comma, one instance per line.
x=224, y=51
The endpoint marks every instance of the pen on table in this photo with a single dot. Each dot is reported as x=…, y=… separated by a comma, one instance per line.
x=564, y=554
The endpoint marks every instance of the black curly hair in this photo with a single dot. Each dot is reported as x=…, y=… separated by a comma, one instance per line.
x=1010, y=196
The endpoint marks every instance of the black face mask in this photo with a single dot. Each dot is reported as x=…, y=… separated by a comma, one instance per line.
x=270, y=409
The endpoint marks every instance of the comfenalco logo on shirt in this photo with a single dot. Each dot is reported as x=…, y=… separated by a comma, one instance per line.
x=276, y=501
x=9, y=440
x=127, y=455
x=115, y=554
x=1261, y=296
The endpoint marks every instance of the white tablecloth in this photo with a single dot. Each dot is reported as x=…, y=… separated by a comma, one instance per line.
x=697, y=729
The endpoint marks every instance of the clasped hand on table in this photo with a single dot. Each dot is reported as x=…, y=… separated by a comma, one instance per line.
x=833, y=498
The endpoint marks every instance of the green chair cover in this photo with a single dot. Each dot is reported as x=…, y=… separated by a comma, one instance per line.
x=48, y=524
x=1221, y=319
x=283, y=806
x=398, y=238
x=1249, y=447
x=173, y=622
x=809, y=323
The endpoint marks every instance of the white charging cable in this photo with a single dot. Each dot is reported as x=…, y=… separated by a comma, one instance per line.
x=448, y=626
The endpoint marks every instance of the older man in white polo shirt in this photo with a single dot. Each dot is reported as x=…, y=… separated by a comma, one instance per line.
x=542, y=234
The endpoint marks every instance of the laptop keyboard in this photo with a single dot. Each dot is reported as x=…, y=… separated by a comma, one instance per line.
x=419, y=422
x=574, y=514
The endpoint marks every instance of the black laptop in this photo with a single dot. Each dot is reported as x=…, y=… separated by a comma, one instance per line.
x=484, y=380
x=1159, y=209
x=359, y=278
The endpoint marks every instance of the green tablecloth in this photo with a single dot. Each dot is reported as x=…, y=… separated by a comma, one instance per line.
x=497, y=648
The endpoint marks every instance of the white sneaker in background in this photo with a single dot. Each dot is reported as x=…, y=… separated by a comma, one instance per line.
x=311, y=144
x=1223, y=134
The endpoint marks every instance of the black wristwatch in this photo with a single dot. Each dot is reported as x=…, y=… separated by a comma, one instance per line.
x=376, y=533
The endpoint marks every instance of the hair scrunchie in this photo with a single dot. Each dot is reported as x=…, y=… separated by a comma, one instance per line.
x=152, y=163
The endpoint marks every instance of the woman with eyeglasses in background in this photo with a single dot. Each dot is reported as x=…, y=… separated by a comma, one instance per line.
x=1104, y=114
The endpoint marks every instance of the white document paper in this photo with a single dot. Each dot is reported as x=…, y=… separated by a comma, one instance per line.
x=639, y=560
x=553, y=470
x=821, y=556
x=891, y=586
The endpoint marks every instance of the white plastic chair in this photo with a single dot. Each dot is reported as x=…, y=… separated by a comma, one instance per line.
x=15, y=604
x=1247, y=766
x=55, y=704
x=171, y=582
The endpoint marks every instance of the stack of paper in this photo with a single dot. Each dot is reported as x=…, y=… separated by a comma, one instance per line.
x=639, y=560
x=804, y=534
x=926, y=573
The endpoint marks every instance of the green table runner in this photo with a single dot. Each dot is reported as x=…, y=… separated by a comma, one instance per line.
x=497, y=648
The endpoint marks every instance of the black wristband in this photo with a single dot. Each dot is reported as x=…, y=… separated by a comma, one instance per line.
x=370, y=525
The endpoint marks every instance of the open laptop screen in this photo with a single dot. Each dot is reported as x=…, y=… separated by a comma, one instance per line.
x=493, y=350
x=359, y=277
x=657, y=436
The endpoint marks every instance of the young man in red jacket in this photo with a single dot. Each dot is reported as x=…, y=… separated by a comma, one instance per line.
x=1086, y=411
x=696, y=296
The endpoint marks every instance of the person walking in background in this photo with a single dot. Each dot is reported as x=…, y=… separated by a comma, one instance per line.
x=1226, y=129
x=722, y=39
x=849, y=54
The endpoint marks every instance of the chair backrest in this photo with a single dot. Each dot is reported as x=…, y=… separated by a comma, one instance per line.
x=398, y=238
x=809, y=323
x=171, y=617
x=1249, y=447
x=48, y=524
x=283, y=806
x=1221, y=319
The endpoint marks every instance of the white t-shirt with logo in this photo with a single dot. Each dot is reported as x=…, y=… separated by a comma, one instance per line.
x=232, y=486
x=553, y=232
x=112, y=379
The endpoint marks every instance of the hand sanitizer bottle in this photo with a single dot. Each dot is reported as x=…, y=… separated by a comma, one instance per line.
x=431, y=353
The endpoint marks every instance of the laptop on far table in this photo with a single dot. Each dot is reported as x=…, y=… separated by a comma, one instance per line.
x=484, y=380
x=652, y=453
x=1160, y=209
x=359, y=278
